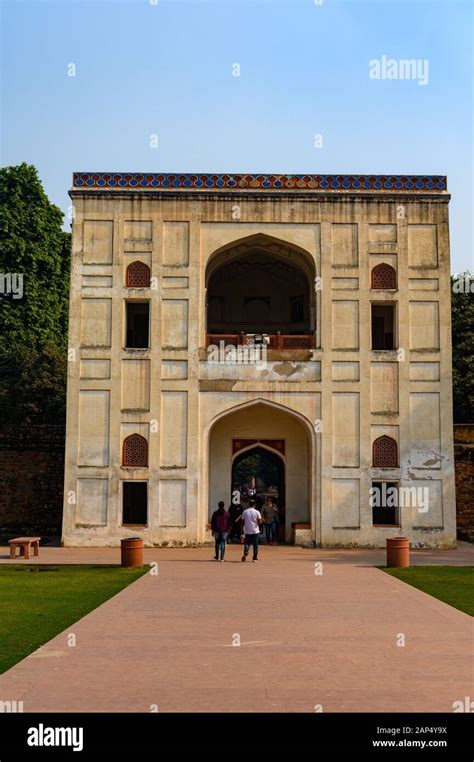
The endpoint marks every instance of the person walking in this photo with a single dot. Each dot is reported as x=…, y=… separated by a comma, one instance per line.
x=270, y=519
x=220, y=524
x=252, y=520
x=235, y=516
x=276, y=522
x=279, y=521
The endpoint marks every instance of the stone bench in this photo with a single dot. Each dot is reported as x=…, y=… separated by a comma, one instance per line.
x=301, y=534
x=24, y=544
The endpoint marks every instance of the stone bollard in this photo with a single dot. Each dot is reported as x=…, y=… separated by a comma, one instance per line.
x=398, y=552
x=132, y=551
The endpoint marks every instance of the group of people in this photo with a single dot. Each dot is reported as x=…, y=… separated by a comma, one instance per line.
x=244, y=526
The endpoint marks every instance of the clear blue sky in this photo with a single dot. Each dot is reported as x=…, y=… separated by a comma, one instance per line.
x=166, y=69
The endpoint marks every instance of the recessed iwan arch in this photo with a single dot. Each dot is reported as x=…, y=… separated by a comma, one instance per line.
x=282, y=248
x=262, y=284
x=255, y=420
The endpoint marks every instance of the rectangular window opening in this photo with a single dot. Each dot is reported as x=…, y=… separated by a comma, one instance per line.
x=385, y=504
x=137, y=322
x=383, y=326
x=135, y=503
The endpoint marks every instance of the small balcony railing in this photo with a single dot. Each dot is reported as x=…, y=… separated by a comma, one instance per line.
x=271, y=340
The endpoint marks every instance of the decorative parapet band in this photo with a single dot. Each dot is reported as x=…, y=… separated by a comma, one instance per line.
x=157, y=181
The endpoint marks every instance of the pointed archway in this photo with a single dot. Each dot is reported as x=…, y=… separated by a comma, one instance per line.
x=258, y=472
x=263, y=420
x=262, y=285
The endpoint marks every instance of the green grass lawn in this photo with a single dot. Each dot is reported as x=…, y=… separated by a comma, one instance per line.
x=451, y=584
x=39, y=601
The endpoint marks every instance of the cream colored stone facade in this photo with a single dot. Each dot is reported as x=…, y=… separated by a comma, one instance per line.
x=329, y=404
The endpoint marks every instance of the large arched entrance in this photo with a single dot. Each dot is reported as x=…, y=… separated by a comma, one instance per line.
x=284, y=447
x=259, y=286
x=258, y=473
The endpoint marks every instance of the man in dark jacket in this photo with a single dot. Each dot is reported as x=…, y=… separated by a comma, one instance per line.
x=220, y=527
x=235, y=516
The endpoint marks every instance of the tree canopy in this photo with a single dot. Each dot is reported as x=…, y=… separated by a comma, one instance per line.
x=462, y=305
x=258, y=463
x=34, y=247
x=34, y=296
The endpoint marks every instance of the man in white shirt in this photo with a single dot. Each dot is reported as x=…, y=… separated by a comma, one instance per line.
x=252, y=520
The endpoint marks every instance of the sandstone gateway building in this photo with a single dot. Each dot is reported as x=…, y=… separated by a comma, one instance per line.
x=341, y=286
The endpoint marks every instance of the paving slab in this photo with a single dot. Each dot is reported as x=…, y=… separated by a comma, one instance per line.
x=273, y=636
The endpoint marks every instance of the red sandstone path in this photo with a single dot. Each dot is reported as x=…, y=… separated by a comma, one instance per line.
x=305, y=639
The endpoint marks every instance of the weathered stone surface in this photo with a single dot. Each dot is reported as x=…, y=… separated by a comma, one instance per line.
x=340, y=392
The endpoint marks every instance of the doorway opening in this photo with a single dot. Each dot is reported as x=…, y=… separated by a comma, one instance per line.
x=257, y=474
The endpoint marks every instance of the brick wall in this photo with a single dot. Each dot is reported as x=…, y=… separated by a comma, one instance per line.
x=464, y=460
x=31, y=480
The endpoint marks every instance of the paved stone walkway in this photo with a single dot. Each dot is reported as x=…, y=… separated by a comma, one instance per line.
x=305, y=639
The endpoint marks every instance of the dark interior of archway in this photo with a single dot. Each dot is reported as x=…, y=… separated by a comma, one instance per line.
x=258, y=293
x=259, y=473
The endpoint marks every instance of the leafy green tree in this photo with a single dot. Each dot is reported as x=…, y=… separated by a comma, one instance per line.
x=257, y=464
x=34, y=295
x=462, y=305
x=33, y=384
x=33, y=249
